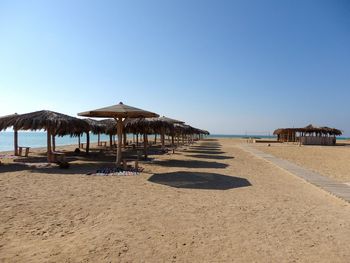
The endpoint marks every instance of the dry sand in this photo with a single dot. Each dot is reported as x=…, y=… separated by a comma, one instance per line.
x=214, y=203
x=331, y=161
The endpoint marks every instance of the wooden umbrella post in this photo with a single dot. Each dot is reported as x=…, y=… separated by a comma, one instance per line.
x=145, y=144
x=53, y=142
x=110, y=140
x=120, y=134
x=124, y=139
x=163, y=138
x=15, y=134
x=87, y=142
x=48, y=145
x=79, y=141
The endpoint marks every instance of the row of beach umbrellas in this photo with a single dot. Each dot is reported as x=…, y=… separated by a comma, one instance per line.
x=122, y=119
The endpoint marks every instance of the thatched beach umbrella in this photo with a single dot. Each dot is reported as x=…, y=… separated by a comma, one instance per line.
x=96, y=127
x=110, y=128
x=119, y=112
x=6, y=122
x=146, y=126
x=53, y=122
x=172, y=122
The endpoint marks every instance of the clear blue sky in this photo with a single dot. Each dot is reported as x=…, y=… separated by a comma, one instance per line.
x=226, y=66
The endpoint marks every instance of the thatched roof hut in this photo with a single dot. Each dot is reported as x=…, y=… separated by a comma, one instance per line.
x=308, y=135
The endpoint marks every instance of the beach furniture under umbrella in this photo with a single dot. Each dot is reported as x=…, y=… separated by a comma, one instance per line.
x=120, y=112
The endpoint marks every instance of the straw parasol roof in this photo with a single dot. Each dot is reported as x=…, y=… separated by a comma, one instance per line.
x=119, y=112
x=147, y=125
x=110, y=126
x=170, y=120
x=58, y=123
x=95, y=126
x=7, y=121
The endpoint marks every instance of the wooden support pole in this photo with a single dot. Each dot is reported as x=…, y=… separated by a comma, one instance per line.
x=120, y=135
x=124, y=139
x=110, y=140
x=15, y=134
x=145, y=144
x=162, y=137
x=53, y=142
x=87, y=142
x=48, y=144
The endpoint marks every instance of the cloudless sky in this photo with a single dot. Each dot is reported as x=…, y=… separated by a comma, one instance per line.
x=226, y=66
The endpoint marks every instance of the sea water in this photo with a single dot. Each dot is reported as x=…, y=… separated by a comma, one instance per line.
x=39, y=139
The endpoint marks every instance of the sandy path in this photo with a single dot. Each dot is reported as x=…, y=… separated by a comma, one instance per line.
x=331, y=161
x=177, y=211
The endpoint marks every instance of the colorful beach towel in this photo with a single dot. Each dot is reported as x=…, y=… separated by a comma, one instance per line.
x=116, y=172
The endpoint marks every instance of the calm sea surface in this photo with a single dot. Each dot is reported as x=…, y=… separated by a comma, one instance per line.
x=38, y=139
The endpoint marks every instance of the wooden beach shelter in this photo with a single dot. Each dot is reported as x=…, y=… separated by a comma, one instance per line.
x=310, y=134
x=120, y=112
x=53, y=122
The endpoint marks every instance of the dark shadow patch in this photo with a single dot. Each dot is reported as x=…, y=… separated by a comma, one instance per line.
x=205, y=149
x=12, y=167
x=204, y=152
x=190, y=164
x=207, y=156
x=193, y=180
x=75, y=168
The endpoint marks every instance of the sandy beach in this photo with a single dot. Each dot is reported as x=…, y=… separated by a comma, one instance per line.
x=211, y=202
x=331, y=161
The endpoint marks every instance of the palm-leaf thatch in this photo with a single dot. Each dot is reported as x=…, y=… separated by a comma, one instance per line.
x=58, y=123
x=95, y=126
x=147, y=125
x=110, y=126
x=7, y=121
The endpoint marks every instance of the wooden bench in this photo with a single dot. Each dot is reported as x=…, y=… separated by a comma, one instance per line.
x=20, y=150
x=58, y=157
x=125, y=163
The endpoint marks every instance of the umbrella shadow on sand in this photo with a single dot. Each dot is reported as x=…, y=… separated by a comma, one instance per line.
x=208, y=156
x=194, y=180
x=190, y=164
x=204, y=151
